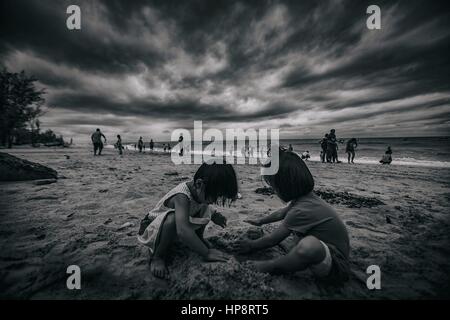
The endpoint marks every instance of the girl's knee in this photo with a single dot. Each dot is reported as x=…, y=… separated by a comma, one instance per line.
x=169, y=221
x=311, y=248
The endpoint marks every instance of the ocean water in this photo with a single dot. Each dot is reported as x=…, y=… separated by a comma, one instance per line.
x=422, y=151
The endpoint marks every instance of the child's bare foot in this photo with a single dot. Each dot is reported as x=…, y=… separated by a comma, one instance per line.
x=158, y=268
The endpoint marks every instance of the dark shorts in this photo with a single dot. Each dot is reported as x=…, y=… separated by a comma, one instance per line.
x=340, y=267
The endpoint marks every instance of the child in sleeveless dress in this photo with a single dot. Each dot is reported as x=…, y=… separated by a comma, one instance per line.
x=184, y=212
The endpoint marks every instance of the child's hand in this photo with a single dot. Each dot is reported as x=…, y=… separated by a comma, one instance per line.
x=243, y=245
x=216, y=256
x=219, y=219
x=254, y=222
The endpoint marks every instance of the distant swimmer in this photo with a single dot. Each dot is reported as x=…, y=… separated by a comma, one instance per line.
x=387, y=157
x=140, y=144
x=96, y=138
x=352, y=144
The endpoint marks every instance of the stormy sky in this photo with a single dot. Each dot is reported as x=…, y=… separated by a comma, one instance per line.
x=148, y=67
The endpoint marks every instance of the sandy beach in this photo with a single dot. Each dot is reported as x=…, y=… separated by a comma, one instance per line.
x=397, y=217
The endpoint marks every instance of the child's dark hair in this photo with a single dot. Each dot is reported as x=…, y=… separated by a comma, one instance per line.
x=220, y=182
x=293, y=178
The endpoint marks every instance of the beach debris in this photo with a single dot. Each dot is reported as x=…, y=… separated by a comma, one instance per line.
x=112, y=169
x=126, y=225
x=348, y=199
x=16, y=169
x=388, y=220
x=267, y=191
x=70, y=215
x=67, y=156
x=44, y=182
x=103, y=190
x=43, y=198
x=109, y=220
x=171, y=173
x=239, y=195
x=182, y=178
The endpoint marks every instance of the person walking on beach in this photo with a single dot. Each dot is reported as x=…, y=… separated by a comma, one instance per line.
x=119, y=144
x=96, y=138
x=352, y=144
x=140, y=144
x=169, y=148
x=387, y=157
x=323, y=145
x=152, y=144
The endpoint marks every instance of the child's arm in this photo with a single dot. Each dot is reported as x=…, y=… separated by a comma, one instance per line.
x=273, y=217
x=267, y=241
x=188, y=235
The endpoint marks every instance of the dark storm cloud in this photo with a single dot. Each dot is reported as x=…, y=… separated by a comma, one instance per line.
x=288, y=64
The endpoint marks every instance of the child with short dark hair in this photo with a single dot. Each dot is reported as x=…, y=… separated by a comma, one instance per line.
x=184, y=212
x=323, y=242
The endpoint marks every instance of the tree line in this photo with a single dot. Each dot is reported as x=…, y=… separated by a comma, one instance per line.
x=20, y=107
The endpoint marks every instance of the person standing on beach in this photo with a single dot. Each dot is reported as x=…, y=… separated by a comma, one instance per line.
x=96, y=138
x=323, y=145
x=290, y=148
x=140, y=144
x=332, y=147
x=119, y=144
x=180, y=142
x=352, y=144
x=152, y=144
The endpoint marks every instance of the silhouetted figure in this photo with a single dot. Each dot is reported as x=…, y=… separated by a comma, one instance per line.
x=96, y=138
x=152, y=144
x=352, y=144
x=119, y=144
x=332, y=147
x=180, y=142
x=323, y=146
x=290, y=148
x=140, y=144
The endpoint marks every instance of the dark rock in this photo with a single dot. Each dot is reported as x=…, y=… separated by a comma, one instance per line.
x=171, y=173
x=16, y=169
x=265, y=191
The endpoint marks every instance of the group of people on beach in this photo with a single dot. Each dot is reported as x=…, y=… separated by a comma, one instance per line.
x=329, y=148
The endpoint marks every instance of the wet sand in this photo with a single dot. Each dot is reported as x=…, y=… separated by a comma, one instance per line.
x=397, y=217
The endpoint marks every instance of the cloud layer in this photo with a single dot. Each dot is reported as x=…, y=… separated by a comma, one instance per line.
x=147, y=67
